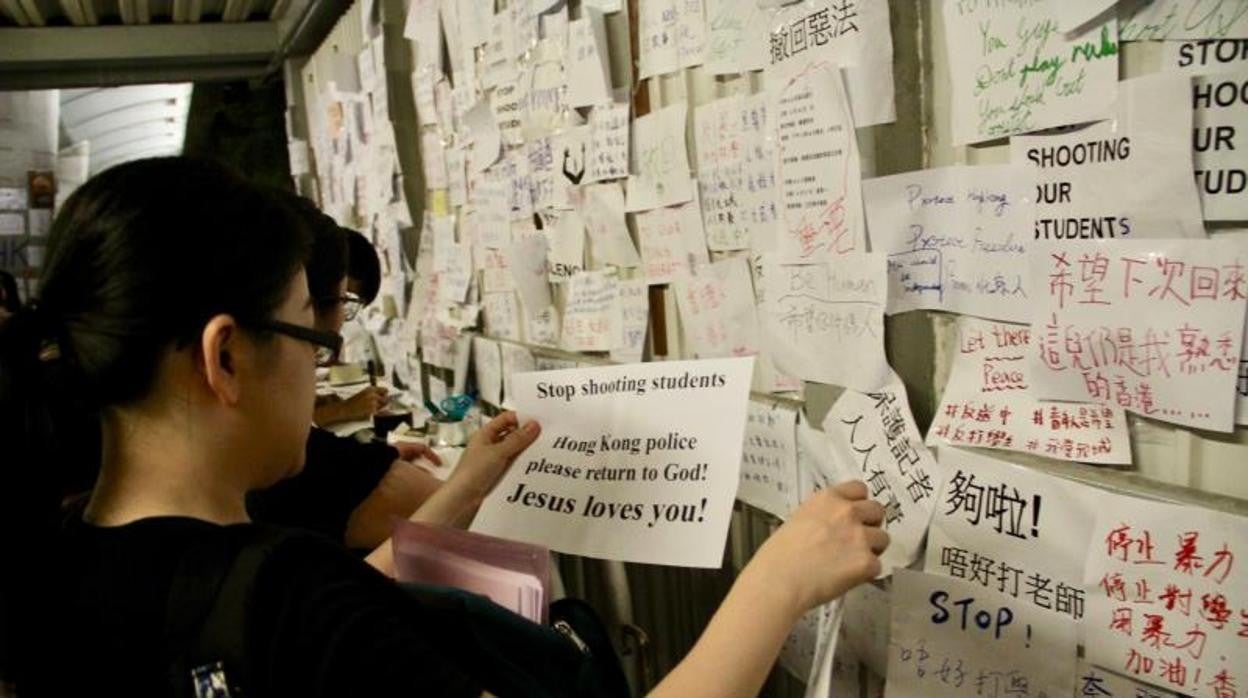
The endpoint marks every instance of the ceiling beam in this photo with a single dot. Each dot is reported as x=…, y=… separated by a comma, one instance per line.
x=114, y=55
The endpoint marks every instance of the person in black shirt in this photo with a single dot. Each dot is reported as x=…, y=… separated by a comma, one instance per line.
x=347, y=490
x=174, y=302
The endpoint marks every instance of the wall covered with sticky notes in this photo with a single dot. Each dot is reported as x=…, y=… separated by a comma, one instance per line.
x=989, y=258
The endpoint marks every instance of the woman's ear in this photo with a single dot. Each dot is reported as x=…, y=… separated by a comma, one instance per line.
x=220, y=345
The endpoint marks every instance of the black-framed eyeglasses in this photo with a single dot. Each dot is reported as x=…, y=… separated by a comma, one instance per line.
x=327, y=343
x=351, y=305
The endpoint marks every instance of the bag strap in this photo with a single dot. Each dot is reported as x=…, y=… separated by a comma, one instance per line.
x=206, y=611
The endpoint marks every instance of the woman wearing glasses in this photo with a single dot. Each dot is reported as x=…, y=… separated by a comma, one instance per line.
x=174, y=304
x=348, y=490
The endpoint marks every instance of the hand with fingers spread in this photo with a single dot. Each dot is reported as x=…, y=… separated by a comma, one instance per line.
x=831, y=544
x=493, y=449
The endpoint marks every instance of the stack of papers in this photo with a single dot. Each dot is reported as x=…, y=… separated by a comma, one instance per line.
x=513, y=575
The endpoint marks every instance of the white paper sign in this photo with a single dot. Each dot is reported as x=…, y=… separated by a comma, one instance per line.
x=526, y=260
x=1166, y=599
x=876, y=434
x=769, y=459
x=952, y=638
x=1220, y=147
x=567, y=247
x=956, y=239
x=989, y=403
x=608, y=142
x=632, y=320
x=1013, y=71
x=483, y=133
x=1152, y=326
x=1014, y=531
x=717, y=309
x=1094, y=681
x=1204, y=57
x=817, y=167
x=1185, y=19
x=814, y=311
x=672, y=242
x=636, y=463
x=588, y=315
x=690, y=33
x=721, y=155
x=433, y=156
x=603, y=214
x=660, y=160
x=422, y=26
x=501, y=314
x=589, y=83
x=737, y=35
x=489, y=370
x=851, y=34
x=656, y=43
x=1087, y=181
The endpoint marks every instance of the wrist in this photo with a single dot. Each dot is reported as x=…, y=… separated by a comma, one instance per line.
x=765, y=586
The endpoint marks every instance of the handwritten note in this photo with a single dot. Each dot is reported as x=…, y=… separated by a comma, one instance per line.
x=658, y=52
x=637, y=463
x=1166, y=599
x=489, y=370
x=1154, y=327
x=456, y=176
x=1013, y=531
x=1094, y=681
x=608, y=139
x=952, y=638
x=769, y=459
x=1186, y=19
x=546, y=104
x=876, y=433
x=758, y=174
x=717, y=312
x=690, y=33
x=1073, y=14
x=836, y=308
x=526, y=260
x=603, y=213
x=632, y=320
x=567, y=247
x=989, y=403
x=433, y=157
x=1014, y=71
x=660, y=160
x=672, y=241
x=589, y=83
x=672, y=35
x=851, y=34
x=501, y=314
x=1087, y=183
x=956, y=239
x=820, y=181
x=588, y=315
x=542, y=179
x=737, y=36
x=721, y=159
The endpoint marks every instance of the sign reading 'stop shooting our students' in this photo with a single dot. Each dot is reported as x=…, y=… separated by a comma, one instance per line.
x=1090, y=183
x=635, y=462
x=1219, y=70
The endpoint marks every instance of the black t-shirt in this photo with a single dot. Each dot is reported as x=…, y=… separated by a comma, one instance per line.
x=337, y=475
x=320, y=622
